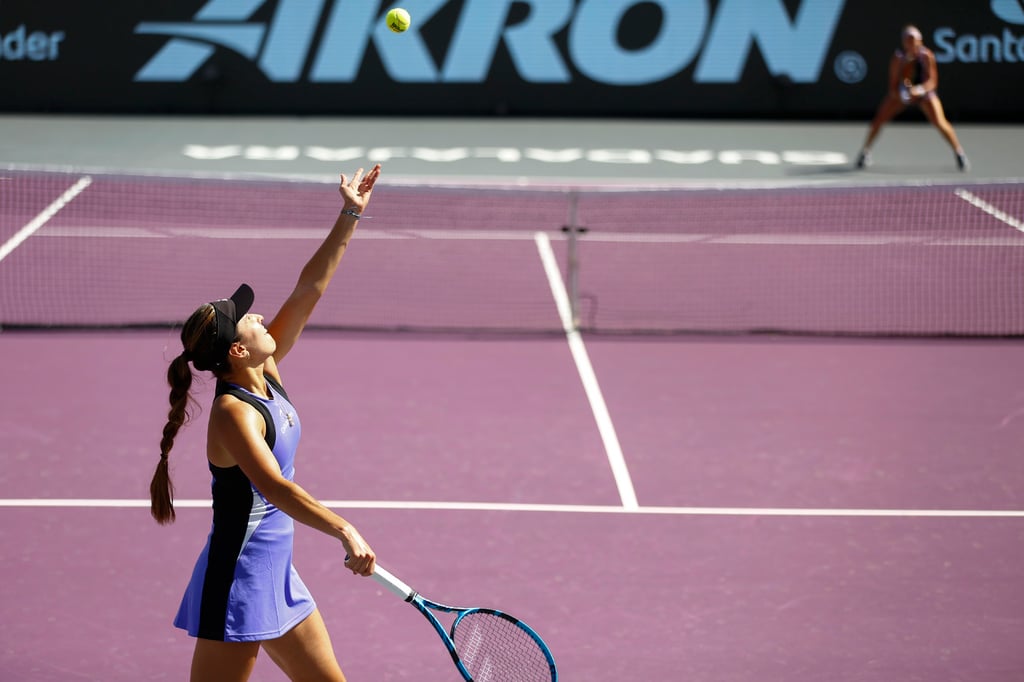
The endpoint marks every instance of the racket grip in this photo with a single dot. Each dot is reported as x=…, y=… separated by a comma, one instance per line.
x=385, y=578
x=389, y=581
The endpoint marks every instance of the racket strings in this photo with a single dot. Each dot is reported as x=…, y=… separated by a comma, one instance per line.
x=496, y=649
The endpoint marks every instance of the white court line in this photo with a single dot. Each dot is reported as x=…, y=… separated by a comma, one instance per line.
x=33, y=225
x=406, y=505
x=586, y=371
x=978, y=202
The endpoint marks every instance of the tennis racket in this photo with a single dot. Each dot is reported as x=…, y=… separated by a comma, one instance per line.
x=485, y=645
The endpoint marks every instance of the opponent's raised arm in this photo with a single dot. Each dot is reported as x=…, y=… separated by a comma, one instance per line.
x=317, y=273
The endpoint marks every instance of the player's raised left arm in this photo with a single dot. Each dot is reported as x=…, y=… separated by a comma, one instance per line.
x=317, y=273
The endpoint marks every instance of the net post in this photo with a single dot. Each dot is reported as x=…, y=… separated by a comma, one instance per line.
x=572, y=268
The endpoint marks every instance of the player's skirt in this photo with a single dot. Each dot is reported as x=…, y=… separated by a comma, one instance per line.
x=244, y=586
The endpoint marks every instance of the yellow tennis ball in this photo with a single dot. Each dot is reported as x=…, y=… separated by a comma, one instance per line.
x=398, y=20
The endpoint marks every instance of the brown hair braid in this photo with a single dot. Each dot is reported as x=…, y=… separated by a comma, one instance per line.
x=179, y=377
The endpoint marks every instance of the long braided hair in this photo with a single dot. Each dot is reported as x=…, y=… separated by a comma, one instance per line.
x=195, y=334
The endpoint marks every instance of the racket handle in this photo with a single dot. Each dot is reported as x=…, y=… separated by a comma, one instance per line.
x=385, y=578
x=389, y=581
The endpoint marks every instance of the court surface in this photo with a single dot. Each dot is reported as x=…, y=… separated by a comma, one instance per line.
x=693, y=507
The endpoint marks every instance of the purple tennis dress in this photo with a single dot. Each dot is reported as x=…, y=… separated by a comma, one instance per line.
x=244, y=587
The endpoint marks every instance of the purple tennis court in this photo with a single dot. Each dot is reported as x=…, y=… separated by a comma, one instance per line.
x=667, y=492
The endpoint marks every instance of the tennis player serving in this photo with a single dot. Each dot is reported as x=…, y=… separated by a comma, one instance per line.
x=245, y=594
x=913, y=81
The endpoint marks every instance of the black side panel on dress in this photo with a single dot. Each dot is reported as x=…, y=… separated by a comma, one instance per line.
x=233, y=498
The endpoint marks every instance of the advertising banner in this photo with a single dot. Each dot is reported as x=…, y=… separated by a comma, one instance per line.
x=664, y=58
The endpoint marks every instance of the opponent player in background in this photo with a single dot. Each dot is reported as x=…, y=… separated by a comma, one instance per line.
x=245, y=594
x=913, y=81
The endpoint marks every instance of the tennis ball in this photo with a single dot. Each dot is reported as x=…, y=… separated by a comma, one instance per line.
x=398, y=20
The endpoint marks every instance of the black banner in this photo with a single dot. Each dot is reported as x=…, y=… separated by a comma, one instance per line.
x=664, y=58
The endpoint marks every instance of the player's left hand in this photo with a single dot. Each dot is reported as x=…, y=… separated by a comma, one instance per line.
x=357, y=190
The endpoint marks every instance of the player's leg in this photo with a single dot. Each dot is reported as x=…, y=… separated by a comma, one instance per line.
x=933, y=111
x=214, y=661
x=887, y=110
x=305, y=652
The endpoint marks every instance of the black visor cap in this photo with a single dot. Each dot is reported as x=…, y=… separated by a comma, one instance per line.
x=228, y=312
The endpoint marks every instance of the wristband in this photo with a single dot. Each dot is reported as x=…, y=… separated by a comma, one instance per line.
x=352, y=212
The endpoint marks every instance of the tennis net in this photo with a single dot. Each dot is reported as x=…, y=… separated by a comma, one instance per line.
x=106, y=250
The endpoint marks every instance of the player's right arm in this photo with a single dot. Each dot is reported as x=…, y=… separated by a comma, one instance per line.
x=236, y=437
x=895, y=64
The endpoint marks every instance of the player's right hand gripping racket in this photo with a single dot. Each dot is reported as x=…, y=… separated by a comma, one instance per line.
x=485, y=645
